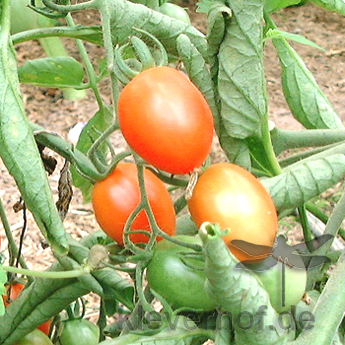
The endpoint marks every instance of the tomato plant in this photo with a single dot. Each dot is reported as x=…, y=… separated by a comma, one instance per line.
x=36, y=337
x=239, y=202
x=115, y=198
x=79, y=331
x=160, y=105
x=178, y=278
x=172, y=90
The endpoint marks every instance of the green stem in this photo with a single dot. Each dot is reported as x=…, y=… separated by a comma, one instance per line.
x=268, y=147
x=326, y=323
x=70, y=8
x=66, y=150
x=87, y=33
x=88, y=65
x=308, y=236
x=13, y=249
x=48, y=274
x=289, y=139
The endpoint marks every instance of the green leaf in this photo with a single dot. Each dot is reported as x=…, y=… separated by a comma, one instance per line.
x=275, y=33
x=3, y=280
x=38, y=303
x=198, y=73
x=203, y=6
x=307, y=102
x=179, y=331
x=164, y=28
x=241, y=82
x=274, y=5
x=19, y=153
x=331, y=5
x=96, y=125
x=217, y=15
x=236, y=150
x=302, y=182
x=59, y=71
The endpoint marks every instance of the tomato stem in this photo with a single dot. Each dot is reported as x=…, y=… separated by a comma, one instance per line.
x=48, y=274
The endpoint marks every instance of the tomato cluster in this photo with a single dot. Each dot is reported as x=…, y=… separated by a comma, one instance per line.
x=167, y=122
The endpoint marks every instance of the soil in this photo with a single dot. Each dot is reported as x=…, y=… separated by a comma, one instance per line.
x=49, y=109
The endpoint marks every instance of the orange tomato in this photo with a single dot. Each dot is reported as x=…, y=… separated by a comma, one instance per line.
x=166, y=120
x=115, y=198
x=231, y=196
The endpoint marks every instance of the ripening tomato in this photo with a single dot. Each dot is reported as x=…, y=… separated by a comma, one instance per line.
x=16, y=289
x=231, y=196
x=166, y=120
x=115, y=198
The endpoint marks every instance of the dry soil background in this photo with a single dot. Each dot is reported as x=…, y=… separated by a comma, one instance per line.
x=47, y=108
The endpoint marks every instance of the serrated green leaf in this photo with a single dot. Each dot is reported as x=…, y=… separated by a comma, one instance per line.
x=217, y=15
x=275, y=33
x=164, y=28
x=38, y=303
x=303, y=182
x=236, y=150
x=198, y=73
x=275, y=5
x=331, y=5
x=179, y=331
x=307, y=102
x=203, y=6
x=58, y=71
x=96, y=125
x=241, y=82
x=19, y=153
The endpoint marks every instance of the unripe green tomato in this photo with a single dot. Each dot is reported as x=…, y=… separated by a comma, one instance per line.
x=175, y=11
x=36, y=337
x=295, y=284
x=78, y=332
x=171, y=274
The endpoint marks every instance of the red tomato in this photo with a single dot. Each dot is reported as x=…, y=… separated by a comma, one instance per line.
x=235, y=199
x=166, y=120
x=115, y=198
x=16, y=289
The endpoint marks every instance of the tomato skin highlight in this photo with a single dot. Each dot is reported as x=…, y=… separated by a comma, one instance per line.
x=115, y=198
x=231, y=196
x=168, y=274
x=166, y=120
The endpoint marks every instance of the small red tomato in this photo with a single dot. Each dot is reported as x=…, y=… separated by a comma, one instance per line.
x=231, y=196
x=166, y=120
x=115, y=198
